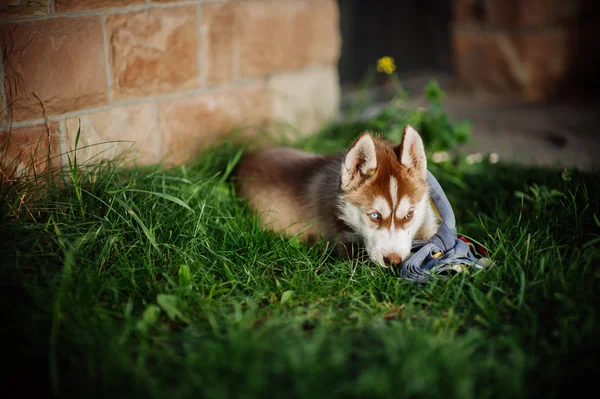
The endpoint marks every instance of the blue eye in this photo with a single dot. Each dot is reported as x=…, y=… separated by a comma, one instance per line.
x=375, y=216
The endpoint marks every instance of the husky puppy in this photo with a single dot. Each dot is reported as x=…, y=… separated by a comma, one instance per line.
x=373, y=195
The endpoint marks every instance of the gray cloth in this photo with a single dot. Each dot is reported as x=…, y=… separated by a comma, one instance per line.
x=423, y=262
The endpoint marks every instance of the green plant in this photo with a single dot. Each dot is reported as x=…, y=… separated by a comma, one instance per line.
x=432, y=122
x=539, y=196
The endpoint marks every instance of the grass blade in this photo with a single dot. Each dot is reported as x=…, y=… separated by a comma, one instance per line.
x=147, y=232
x=168, y=197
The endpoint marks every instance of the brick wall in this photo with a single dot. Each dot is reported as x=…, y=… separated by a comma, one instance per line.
x=526, y=49
x=173, y=76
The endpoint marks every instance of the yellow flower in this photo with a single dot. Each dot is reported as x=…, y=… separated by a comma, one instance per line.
x=386, y=65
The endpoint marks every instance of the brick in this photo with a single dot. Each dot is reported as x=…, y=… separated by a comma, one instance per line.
x=28, y=151
x=260, y=37
x=220, y=30
x=282, y=35
x=21, y=8
x=135, y=126
x=530, y=65
x=547, y=57
x=515, y=13
x=86, y=5
x=153, y=51
x=59, y=59
x=305, y=99
x=190, y=125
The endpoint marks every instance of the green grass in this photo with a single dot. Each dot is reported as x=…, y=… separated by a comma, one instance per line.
x=158, y=284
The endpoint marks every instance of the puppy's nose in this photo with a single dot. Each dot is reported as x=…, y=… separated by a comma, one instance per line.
x=392, y=259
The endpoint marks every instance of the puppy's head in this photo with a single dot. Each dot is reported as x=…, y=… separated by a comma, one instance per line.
x=384, y=194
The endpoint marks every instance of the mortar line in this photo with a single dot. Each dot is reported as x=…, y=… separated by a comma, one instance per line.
x=235, y=57
x=201, y=46
x=159, y=138
x=62, y=131
x=112, y=10
x=106, y=60
x=27, y=123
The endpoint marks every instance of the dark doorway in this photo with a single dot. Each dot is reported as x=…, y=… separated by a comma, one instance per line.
x=415, y=32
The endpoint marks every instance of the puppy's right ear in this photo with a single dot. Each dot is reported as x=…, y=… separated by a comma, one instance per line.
x=360, y=161
x=412, y=152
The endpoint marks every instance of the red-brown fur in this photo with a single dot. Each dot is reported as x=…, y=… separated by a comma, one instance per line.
x=376, y=185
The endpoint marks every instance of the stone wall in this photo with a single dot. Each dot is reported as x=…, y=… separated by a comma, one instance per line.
x=173, y=76
x=526, y=49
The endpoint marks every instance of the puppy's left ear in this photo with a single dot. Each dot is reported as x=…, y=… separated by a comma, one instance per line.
x=360, y=161
x=411, y=152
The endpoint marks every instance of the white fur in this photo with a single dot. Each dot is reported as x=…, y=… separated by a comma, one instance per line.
x=413, y=151
x=394, y=191
x=379, y=241
x=381, y=205
x=403, y=207
x=382, y=242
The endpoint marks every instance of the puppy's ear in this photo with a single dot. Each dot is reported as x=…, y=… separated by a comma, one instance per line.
x=411, y=152
x=360, y=161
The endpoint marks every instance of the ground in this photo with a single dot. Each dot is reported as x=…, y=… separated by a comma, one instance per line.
x=158, y=283
x=558, y=134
